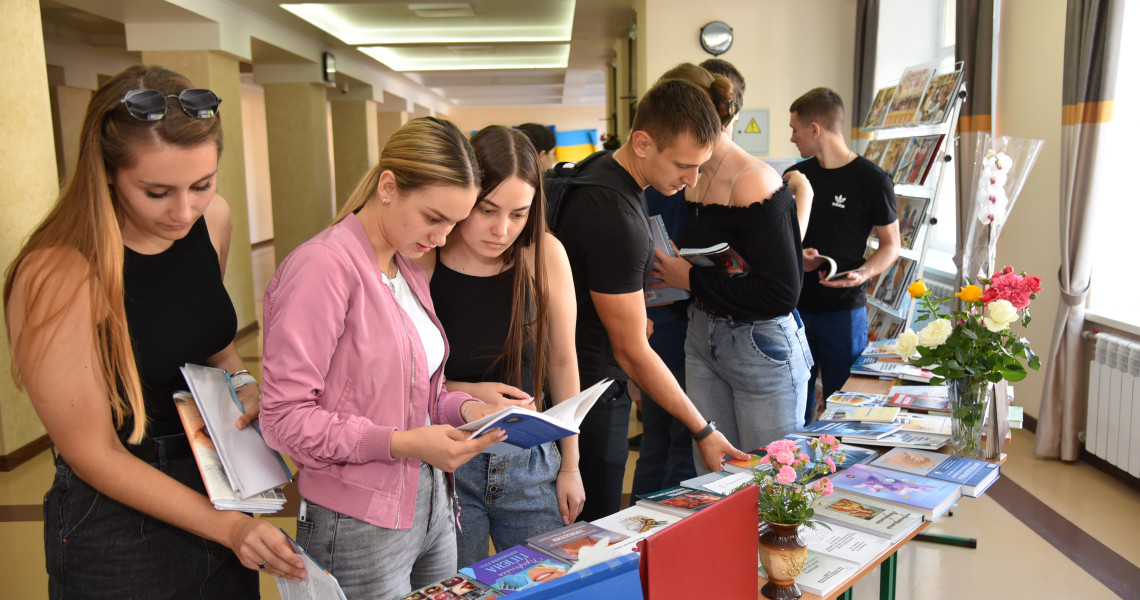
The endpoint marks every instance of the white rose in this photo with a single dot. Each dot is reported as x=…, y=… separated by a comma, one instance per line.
x=906, y=347
x=935, y=333
x=999, y=314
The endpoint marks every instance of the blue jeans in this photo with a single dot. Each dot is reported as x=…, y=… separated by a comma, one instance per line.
x=748, y=376
x=665, y=457
x=374, y=562
x=836, y=339
x=98, y=548
x=507, y=497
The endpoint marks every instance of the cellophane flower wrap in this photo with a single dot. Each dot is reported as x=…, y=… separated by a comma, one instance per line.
x=784, y=501
x=978, y=340
x=1002, y=165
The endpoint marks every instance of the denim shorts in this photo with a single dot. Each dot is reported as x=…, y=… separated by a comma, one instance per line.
x=507, y=497
x=748, y=376
x=98, y=548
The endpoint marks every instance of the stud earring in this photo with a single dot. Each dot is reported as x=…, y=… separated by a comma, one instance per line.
x=383, y=201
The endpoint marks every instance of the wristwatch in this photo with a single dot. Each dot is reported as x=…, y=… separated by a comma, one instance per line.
x=705, y=432
x=242, y=377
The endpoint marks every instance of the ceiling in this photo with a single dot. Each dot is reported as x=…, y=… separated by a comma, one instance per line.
x=474, y=53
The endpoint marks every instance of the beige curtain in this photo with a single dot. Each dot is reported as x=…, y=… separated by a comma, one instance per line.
x=1092, y=46
x=866, y=47
x=973, y=47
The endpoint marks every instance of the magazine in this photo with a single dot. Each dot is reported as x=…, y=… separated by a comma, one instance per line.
x=879, y=108
x=912, y=216
x=718, y=256
x=661, y=241
x=939, y=98
x=917, y=159
x=904, y=104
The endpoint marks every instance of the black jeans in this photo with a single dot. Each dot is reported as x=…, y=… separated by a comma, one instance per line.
x=99, y=548
x=603, y=448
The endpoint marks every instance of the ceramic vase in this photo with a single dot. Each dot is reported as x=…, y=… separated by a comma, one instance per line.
x=782, y=554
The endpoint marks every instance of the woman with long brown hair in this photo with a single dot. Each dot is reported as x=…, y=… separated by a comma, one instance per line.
x=118, y=287
x=503, y=290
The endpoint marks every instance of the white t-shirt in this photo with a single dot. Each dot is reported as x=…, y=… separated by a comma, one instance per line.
x=430, y=335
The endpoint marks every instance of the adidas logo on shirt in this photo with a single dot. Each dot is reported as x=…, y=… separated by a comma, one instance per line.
x=839, y=201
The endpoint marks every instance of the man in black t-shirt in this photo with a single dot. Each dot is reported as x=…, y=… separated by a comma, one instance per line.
x=853, y=196
x=606, y=236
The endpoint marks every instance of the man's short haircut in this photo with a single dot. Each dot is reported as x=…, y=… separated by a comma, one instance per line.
x=672, y=108
x=822, y=106
x=719, y=66
x=540, y=135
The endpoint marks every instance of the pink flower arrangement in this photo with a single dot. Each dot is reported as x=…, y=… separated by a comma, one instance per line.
x=784, y=463
x=1019, y=290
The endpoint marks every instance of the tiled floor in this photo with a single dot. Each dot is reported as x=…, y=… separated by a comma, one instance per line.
x=1089, y=550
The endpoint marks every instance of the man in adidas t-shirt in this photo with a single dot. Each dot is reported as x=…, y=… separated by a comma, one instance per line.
x=853, y=196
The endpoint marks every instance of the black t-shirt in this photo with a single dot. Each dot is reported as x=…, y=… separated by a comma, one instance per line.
x=849, y=203
x=477, y=341
x=178, y=311
x=610, y=252
x=767, y=235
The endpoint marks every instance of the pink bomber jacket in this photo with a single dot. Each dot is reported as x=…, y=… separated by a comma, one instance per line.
x=344, y=369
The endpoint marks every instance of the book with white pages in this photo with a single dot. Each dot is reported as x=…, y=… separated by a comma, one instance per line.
x=214, y=478
x=868, y=516
x=843, y=542
x=251, y=466
x=527, y=428
x=867, y=414
x=718, y=482
x=905, y=439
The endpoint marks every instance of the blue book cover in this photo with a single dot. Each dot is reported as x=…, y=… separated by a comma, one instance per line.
x=516, y=568
x=855, y=429
x=914, y=493
x=973, y=475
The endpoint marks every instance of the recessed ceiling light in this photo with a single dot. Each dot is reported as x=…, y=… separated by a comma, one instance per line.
x=458, y=57
x=438, y=10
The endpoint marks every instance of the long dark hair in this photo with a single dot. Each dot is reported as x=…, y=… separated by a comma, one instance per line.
x=503, y=153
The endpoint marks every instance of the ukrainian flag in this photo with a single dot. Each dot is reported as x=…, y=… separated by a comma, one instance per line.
x=573, y=146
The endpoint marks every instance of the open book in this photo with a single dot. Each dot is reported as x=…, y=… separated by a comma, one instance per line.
x=251, y=466
x=830, y=269
x=210, y=465
x=526, y=428
x=665, y=295
x=719, y=256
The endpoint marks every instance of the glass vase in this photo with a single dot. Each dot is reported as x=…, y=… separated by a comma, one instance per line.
x=782, y=554
x=968, y=402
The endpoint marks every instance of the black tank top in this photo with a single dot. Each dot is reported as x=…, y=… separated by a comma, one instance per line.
x=476, y=313
x=178, y=312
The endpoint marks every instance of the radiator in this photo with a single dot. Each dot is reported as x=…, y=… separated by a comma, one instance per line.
x=1112, y=431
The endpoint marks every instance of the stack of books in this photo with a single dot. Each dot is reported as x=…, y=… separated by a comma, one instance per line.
x=928, y=497
x=973, y=476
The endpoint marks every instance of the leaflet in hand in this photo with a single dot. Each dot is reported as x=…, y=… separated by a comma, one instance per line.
x=318, y=583
x=830, y=269
x=251, y=466
x=527, y=428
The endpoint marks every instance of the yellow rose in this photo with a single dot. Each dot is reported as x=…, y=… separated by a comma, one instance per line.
x=917, y=289
x=906, y=347
x=935, y=333
x=970, y=293
x=999, y=314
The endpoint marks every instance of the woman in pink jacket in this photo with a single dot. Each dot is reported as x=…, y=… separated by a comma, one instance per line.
x=353, y=368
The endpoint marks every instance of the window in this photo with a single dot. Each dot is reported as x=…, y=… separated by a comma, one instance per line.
x=1113, y=288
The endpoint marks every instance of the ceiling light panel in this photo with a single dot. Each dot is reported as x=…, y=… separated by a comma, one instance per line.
x=464, y=58
x=396, y=23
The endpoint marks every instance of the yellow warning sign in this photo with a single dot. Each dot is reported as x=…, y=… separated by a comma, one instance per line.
x=752, y=127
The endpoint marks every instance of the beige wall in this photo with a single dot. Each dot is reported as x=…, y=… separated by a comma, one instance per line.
x=1032, y=44
x=565, y=118
x=31, y=183
x=782, y=47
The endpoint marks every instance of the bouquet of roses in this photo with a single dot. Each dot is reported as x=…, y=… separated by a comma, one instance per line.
x=976, y=341
x=781, y=501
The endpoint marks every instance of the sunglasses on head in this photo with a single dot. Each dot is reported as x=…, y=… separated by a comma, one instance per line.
x=150, y=105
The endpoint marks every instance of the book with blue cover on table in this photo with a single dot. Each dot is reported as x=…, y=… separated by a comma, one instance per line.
x=928, y=497
x=973, y=475
x=516, y=568
x=849, y=429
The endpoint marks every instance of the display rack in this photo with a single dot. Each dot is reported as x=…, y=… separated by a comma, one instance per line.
x=889, y=307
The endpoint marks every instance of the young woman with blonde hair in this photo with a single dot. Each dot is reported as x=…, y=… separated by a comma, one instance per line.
x=118, y=287
x=503, y=290
x=354, y=360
